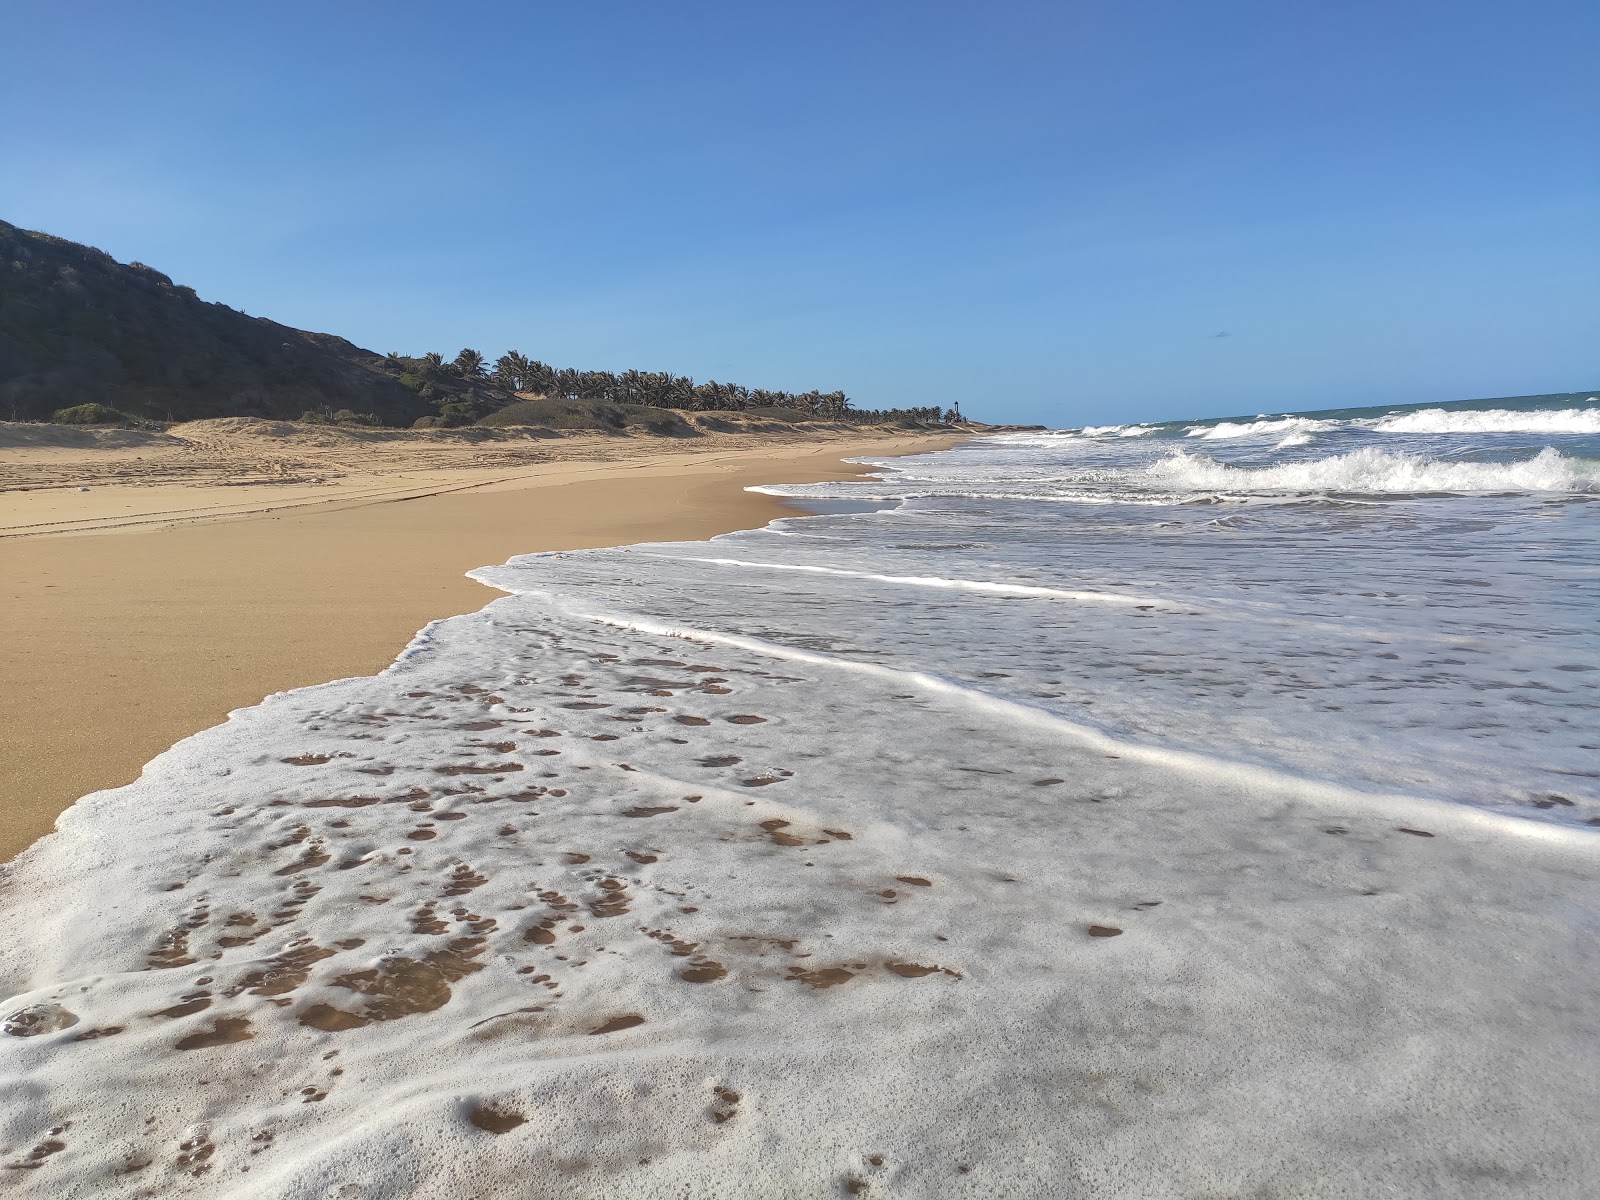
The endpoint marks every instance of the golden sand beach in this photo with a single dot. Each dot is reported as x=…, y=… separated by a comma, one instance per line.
x=151, y=584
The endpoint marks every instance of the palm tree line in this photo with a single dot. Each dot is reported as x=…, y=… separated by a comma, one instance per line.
x=515, y=373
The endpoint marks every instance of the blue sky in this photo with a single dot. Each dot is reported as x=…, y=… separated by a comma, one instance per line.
x=1048, y=212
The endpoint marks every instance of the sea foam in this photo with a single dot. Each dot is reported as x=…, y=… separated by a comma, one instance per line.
x=1277, y=427
x=567, y=905
x=962, y=849
x=1439, y=420
x=1374, y=470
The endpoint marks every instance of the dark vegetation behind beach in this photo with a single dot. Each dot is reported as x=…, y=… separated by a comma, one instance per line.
x=85, y=339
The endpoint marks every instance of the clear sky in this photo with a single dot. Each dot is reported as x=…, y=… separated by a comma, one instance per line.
x=1050, y=212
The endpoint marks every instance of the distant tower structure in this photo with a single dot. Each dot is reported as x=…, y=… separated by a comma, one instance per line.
x=956, y=408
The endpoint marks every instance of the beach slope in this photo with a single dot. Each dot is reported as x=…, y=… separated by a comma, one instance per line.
x=205, y=568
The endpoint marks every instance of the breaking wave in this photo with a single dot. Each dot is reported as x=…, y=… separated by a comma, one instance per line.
x=1126, y=431
x=1299, y=427
x=1381, y=472
x=1494, y=420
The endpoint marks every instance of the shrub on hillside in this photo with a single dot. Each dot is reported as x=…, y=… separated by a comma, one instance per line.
x=90, y=414
x=597, y=415
x=343, y=416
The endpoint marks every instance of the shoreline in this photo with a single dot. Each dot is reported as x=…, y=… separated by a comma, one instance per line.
x=143, y=625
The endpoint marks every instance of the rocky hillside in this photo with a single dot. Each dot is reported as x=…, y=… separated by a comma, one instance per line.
x=85, y=339
x=78, y=327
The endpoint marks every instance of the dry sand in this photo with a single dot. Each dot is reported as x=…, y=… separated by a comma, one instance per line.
x=204, y=570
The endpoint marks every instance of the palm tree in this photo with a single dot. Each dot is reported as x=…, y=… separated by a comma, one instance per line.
x=596, y=385
x=516, y=372
x=511, y=370
x=539, y=379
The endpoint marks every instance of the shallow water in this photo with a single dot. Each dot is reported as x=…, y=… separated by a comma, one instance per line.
x=1105, y=817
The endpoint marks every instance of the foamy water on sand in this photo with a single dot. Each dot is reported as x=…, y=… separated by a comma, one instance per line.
x=1101, y=818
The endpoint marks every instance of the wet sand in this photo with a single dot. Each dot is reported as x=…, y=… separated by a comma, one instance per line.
x=142, y=612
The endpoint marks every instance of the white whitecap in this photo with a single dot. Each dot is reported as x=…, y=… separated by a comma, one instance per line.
x=1379, y=471
x=1494, y=420
x=1261, y=427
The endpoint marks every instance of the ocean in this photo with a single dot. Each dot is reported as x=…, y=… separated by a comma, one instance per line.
x=1204, y=808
